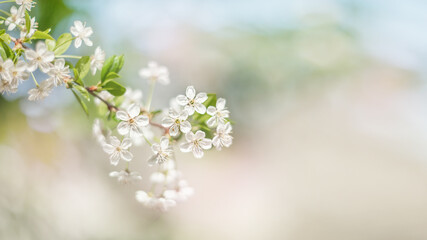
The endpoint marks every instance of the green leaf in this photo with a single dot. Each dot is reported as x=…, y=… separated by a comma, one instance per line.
x=82, y=91
x=50, y=44
x=112, y=75
x=83, y=66
x=106, y=68
x=77, y=78
x=5, y=38
x=27, y=21
x=82, y=104
x=115, y=88
x=63, y=43
x=118, y=64
x=41, y=35
x=2, y=31
x=8, y=51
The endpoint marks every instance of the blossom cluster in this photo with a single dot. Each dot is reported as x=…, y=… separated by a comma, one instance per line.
x=195, y=122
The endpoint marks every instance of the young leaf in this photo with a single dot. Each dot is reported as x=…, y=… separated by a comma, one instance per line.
x=112, y=75
x=117, y=64
x=8, y=51
x=62, y=44
x=82, y=91
x=106, y=68
x=50, y=44
x=81, y=102
x=27, y=21
x=41, y=35
x=2, y=31
x=83, y=66
x=115, y=88
x=77, y=78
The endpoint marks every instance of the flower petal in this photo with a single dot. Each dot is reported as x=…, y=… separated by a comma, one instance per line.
x=122, y=115
x=198, y=152
x=185, y=127
x=199, y=135
x=211, y=110
x=201, y=97
x=220, y=103
x=200, y=108
x=123, y=128
x=134, y=110
x=126, y=143
x=182, y=100
x=186, y=147
x=108, y=148
x=190, y=92
x=205, y=143
x=126, y=155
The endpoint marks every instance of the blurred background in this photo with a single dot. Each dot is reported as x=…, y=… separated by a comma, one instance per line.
x=328, y=97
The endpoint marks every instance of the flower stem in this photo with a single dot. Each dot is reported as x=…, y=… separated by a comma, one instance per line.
x=8, y=1
x=150, y=96
x=68, y=56
x=34, y=79
x=146, y=139
x=3, y=11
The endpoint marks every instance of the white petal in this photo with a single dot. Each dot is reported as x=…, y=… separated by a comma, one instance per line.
x=115, y=158
x=123, y=128
x=142, y=120
x=211, y=121
x=182, y=100
x=190, y=136
x=122, y=115
x=200, y=135
x=77, y=42
x=190, y=92
x=114, y=141
x=201, y=97
x=186, y=147
x=200, y=108
x=167, y=122
x=164, y=143
x=205, y=143
x=126, y=155
x=127, y=142
x=174, y=130
x=185, y=127
x=198, y=152
x=108, y=148
x=211, y=110
x=134, y=110
x=142, y=197
x=220, y=103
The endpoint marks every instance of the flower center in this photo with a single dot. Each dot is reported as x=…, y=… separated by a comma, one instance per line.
x=131, y=120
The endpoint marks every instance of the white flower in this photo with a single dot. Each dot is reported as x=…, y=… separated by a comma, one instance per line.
x=59, y=72
x=97, y=60
x=118, y=150
x=15, y=19
x=5, y=69
x=104, y=95
x=175, y=122
x=40, y=58
x=181, y=193
x=132, y=122
x=7, y=87
x=192, y=101
x=28, y=4
x=40, y=91
x=196, y=143
x=162, y=152
x=126, y=177
x=169, y=177
x=97, y=132
x=82, y=33
x=29, y=32
x=218, y=113
x=222, y=136
x=131, y=97
x=156, y=73
x=18, y=72
x=150, y=201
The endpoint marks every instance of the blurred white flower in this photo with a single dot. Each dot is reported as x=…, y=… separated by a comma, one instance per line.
x=15, y=19
x=150, y=201
x=97, y=132
x=181, y=193
x=59, y=73
x=40, y=91
x=218, y=113
x=196, y=143
x=7, y=87
x=222, y=136
x=27, y=4
x=118, y=150
x=176, y=121
x=5, y=68
x=126, y=177
x=29, y=32
x=41, y=58
x=132, y=97
x=156, y=73
x=162, y=152
x=97, y=60
x=18, y=72
x=82, y=33
x=131, y=122
x=192, y=102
